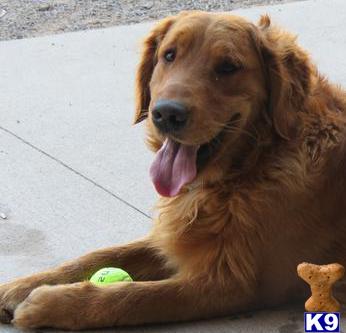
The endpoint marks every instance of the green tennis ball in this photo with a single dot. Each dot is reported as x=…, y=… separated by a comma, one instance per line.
x=109, y=275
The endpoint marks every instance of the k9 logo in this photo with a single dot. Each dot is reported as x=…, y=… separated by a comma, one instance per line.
x=322, y=322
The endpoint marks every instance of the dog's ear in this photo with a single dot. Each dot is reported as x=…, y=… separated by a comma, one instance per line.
x=288, y=70
x=146, y=67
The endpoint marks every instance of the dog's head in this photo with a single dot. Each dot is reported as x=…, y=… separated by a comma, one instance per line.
x=206, y=79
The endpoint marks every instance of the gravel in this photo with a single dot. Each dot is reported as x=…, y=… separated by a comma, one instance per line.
x=25, y=18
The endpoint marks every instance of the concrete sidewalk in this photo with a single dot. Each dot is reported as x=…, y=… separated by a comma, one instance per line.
x=74, y=173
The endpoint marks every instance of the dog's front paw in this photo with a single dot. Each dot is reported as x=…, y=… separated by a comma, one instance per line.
x=12, y=294
x=62, y=306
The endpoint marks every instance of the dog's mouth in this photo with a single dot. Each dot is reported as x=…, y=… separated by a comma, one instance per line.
x=208, y=150
x=177, y=164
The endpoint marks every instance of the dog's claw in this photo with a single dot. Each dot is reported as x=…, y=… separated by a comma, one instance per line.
x=6, y=316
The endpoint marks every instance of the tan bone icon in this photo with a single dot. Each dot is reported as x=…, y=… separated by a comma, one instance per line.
x=321, y=280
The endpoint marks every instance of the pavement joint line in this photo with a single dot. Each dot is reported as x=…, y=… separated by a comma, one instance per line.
x=74, y=171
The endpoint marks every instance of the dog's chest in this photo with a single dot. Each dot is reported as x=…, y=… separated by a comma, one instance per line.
x=211, y=241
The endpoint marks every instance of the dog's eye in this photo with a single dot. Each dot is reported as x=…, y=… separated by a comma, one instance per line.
x=170, y=55
x=226, y=67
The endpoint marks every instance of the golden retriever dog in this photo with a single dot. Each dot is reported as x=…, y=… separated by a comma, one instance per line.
x=250, y=165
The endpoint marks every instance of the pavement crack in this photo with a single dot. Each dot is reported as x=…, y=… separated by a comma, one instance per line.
x=74, y=171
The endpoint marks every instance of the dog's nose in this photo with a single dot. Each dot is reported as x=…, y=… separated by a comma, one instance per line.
x=169, y=116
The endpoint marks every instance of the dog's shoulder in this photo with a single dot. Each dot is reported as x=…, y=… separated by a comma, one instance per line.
x=325, y=122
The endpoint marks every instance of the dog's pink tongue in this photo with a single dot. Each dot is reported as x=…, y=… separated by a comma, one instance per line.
x=173, y=167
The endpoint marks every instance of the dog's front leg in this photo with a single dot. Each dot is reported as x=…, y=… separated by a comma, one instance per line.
x=82, y=305
x=139, y=258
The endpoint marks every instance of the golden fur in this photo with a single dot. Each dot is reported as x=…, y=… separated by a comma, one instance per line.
x=272, y=194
